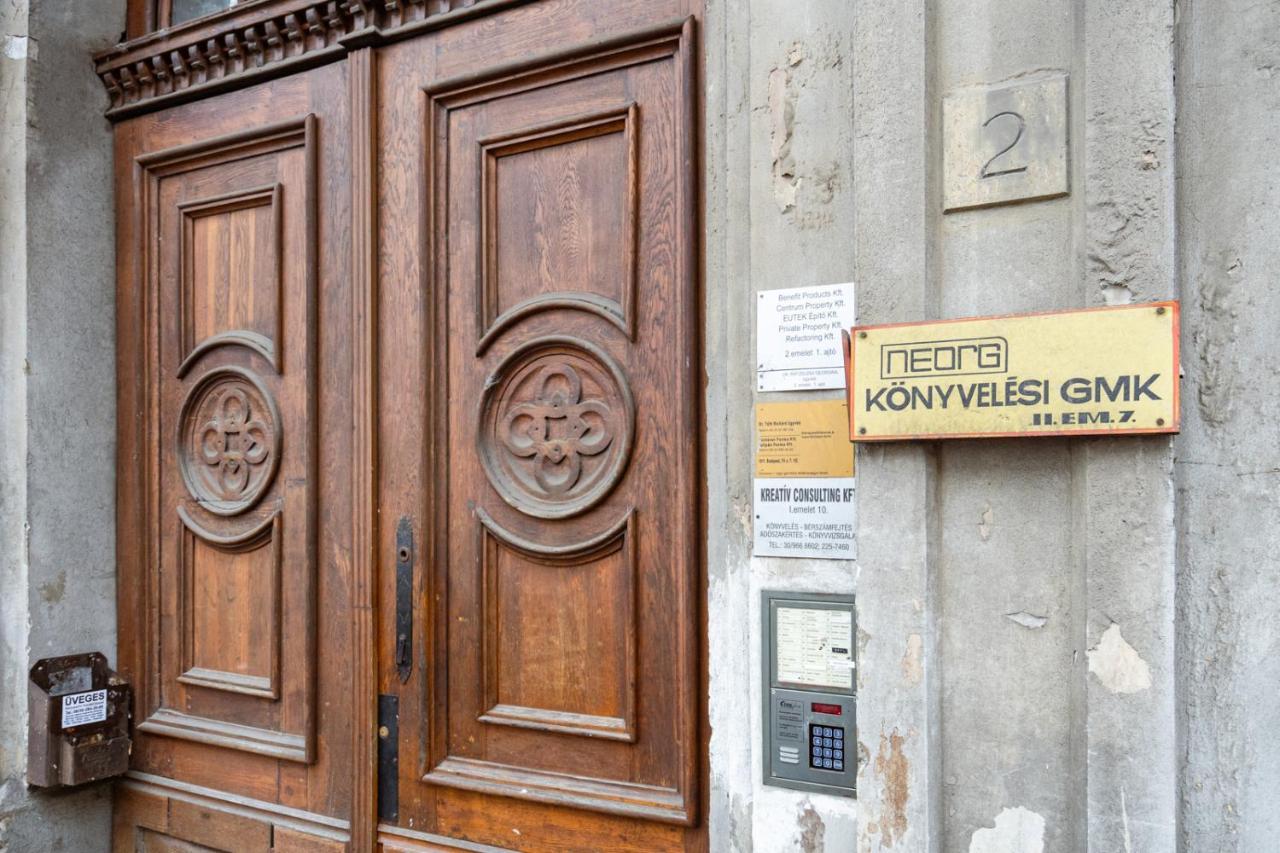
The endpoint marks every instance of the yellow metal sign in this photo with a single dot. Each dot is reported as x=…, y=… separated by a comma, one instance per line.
x=803, y=439
x=1090, y=372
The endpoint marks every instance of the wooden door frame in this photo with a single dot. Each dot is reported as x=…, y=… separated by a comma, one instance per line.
x=243, y=46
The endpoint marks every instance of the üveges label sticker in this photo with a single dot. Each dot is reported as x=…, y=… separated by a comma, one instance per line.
x=1098, y=371
x=79, y=709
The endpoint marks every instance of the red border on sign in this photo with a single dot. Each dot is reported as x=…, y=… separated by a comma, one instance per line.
x=1174, y=309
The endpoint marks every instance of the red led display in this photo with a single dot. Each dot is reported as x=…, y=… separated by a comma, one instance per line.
x=823, y=708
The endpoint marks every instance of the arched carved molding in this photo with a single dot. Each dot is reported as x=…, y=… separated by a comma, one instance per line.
x=260, y=344
x=557, y=421
x=251, y=537
x=603, y=307
x=562, y=555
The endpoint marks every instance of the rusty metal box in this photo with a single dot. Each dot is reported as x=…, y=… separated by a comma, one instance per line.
x=79, y=712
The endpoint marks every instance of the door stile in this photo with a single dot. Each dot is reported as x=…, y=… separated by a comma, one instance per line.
x=364, y=474
x=693, y=625
x=435, y=352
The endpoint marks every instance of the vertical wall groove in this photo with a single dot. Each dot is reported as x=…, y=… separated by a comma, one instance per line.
x=1228, y=459
x=895, y=267
x=1078, y=817
x=1127, y=536
x=935, y=654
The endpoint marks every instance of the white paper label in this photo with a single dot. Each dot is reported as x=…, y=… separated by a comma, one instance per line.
x=804, y=517
x=79, y=709
x=798, y=337
x=815, y=647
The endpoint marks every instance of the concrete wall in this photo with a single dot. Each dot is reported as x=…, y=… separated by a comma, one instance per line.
x=1228, y=456
x=13, y=405
x=1064, y=644
x=780, y=209
x=57, y=386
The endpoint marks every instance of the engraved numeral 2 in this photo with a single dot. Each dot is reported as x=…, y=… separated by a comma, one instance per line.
x=987, y=171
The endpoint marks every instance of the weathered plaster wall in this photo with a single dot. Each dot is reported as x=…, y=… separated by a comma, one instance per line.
x=1228, y=459
x=57, y=386
x=1016, y=598
x=779, y=198
x=13, y=472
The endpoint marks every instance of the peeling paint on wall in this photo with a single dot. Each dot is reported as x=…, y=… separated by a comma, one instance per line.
x=782, y=119
x=1027, y=620
x=1217, y=335
x=53, y=591
x=813, y=831
x=807, y=181
x=985, y=523
x=16, y=47
x=1016, y=830
x=863, y=639
x=912, y=661
x=1126, y=210
x=1117, y=664
x=894, y=772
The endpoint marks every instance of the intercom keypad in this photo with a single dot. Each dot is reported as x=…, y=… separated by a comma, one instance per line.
x=826, y=747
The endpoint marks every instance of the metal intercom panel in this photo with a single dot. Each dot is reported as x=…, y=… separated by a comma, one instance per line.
x=810, y=692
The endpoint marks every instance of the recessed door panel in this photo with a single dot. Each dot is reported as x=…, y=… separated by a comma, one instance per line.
x=571, y=183
x=559, y=632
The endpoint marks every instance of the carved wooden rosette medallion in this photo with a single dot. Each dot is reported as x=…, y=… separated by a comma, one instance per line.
x=229, y=441
x=556, y=425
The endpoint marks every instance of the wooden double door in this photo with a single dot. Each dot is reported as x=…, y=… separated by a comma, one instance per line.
x=410, y=427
